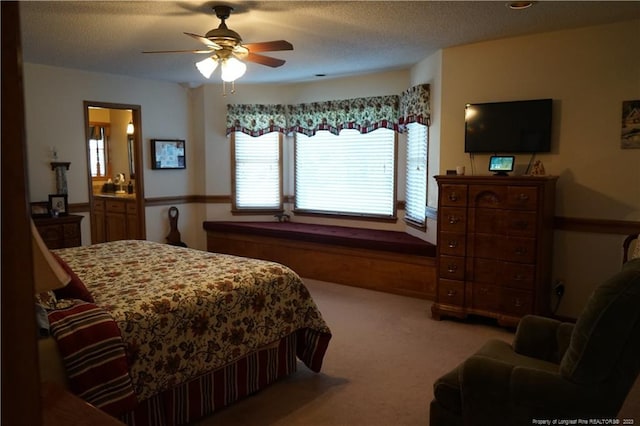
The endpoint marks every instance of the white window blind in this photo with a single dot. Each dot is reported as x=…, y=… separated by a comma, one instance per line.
x=258, y=176
x=97, y=154
x=351, y=173
x=416, y=179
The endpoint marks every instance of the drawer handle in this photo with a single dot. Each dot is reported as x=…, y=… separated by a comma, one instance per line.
x=517, y=302
x=452, y=268
x=453, y=244
x=523, y=197
x=453, y=196
x=453, y=220
x=518, y=277
x=520, y=251
x=484, y=290
x=451, y=293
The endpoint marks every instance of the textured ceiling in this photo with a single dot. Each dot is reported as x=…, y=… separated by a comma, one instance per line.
x=336, y=38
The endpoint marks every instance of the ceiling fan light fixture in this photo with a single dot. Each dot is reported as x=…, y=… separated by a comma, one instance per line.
x=232, y=69
x=207, y=66
x=227, y=50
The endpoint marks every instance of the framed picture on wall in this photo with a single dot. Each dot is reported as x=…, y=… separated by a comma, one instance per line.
x=58, y=204
x=168, y=154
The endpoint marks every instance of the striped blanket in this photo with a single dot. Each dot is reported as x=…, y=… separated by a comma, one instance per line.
x=94, y=356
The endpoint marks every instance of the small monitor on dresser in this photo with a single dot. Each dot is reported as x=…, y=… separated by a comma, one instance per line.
x=501, y=164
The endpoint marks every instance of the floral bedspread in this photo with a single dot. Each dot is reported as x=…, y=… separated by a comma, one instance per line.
x=183, y=312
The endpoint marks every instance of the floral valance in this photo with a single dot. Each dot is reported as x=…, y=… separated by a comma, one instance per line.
x=415, y=105
x=256, y=120
x=363, y=114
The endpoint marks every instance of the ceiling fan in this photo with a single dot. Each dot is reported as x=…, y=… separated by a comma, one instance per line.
x=225, y=47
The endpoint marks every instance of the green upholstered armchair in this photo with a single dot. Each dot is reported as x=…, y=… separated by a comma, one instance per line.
x=553, y=370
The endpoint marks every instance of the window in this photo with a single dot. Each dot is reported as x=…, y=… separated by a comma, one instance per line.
x=349, y=174
x=416, y=190
x=98, y=151
x=257, y=172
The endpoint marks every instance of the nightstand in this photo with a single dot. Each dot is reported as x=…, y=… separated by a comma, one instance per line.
x=62, y=408
x=60, y=232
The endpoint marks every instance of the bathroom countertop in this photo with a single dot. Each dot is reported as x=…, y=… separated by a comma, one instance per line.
x=114, y=195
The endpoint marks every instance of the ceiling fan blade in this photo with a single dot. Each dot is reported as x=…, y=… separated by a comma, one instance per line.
x=179, y=51
x=269, y=46
x=264, y=60
x=205, y=40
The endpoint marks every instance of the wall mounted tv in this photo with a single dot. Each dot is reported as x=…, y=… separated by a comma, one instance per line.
x=511, y=127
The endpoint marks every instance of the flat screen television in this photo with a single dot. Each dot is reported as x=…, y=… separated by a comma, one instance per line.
x=510, y=127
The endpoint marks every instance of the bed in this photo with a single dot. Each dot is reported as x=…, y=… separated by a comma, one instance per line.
x=173, y=333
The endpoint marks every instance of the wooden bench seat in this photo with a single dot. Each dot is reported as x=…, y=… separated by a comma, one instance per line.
x=390, y=261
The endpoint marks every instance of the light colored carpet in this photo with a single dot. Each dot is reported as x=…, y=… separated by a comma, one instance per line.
x=382, y=360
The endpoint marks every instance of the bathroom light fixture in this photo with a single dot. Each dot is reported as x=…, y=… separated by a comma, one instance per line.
x=130, y=128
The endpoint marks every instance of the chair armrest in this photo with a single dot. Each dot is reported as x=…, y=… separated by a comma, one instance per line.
x=563, y=336
x=484, y=386
x=539, y=393
x=536, y=337
x=496, y=393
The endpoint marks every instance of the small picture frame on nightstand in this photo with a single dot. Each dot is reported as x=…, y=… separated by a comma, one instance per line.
x=58, y=205
x=40, y=209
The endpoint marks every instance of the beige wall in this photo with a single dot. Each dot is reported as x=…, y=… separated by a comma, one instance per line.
x=54, y=117
x=588, y=72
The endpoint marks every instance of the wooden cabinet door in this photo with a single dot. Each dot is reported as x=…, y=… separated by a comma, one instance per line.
x=116, y=226
x=132, y=227
x=98, y=224
x=133, y=232
x=99, y=227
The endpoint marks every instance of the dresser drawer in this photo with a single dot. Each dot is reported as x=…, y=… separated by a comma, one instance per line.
x=132, y=208
x=484, y=270
x=70, y=230
x=487, y=196
x=520, y=223
x=452, y=243
x=451, y=292
x=522, y=197
x=487, y=221
x=98, y=204
x=453, y=219
x=485, y=296
x=453, y=195
x=518, y=275
x=484, y=246
x=516, y=302
x=51, y=233
x=452, y=267
x=515, y=249
x=114, y=206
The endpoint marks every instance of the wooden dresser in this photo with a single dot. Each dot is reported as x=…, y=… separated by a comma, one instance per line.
x=495, y=239
x=60, y=232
